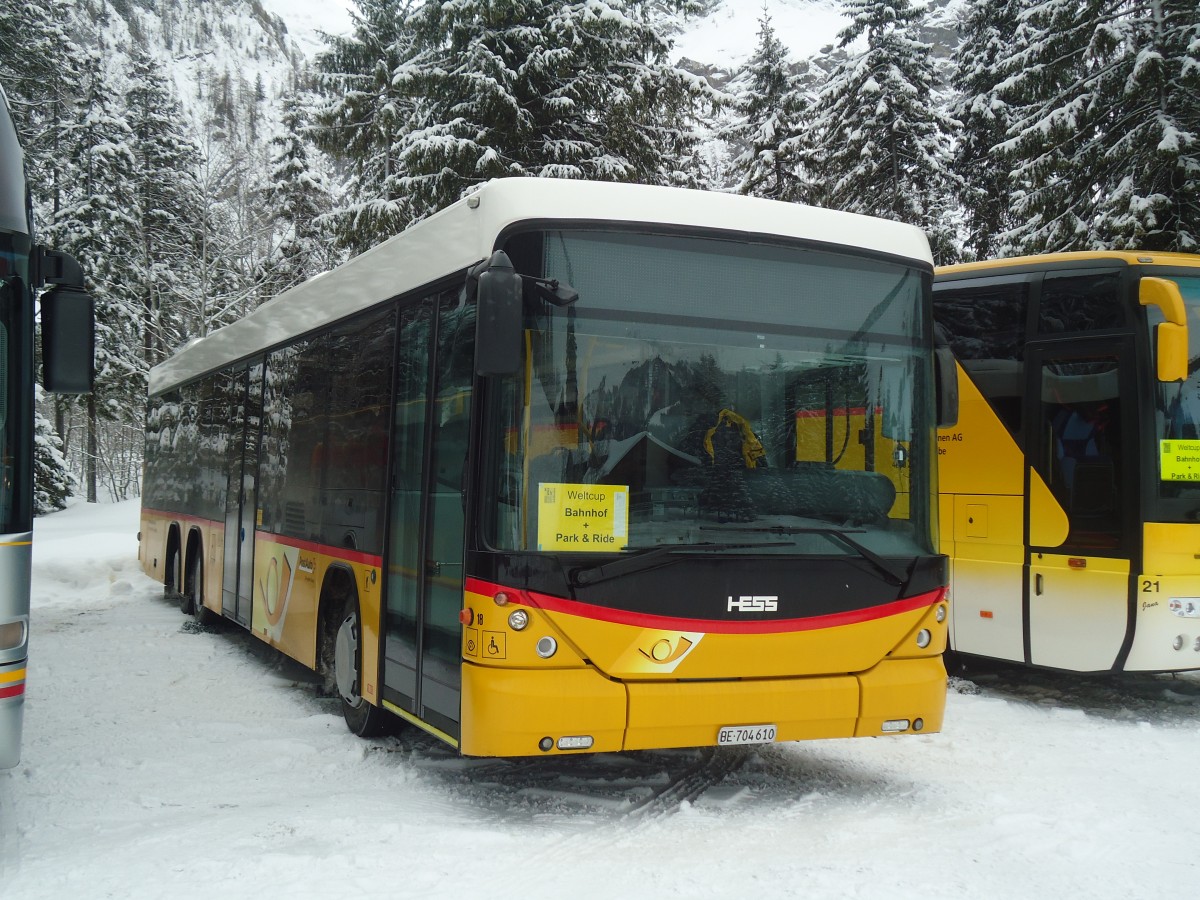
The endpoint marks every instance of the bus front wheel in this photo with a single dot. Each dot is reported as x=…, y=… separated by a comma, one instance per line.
x=362, y=718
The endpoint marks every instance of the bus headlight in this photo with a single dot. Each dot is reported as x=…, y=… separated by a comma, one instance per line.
x=518, y=619
x=940, y=615
x=923, y=638
x=12, y=635
x=546, y=647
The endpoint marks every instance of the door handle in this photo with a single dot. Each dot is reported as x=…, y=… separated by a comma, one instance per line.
x=435, y=567
x=1037, y=584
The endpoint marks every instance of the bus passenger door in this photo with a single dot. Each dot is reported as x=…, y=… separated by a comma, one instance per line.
x=1081, y=442
x=441, y=639
x=244, y=392
x=423, y=645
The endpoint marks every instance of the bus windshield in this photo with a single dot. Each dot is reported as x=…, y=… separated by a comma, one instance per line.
x=714, y=394
x=1177, y=416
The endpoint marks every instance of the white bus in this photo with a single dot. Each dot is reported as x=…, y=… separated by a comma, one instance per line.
x=67, y=357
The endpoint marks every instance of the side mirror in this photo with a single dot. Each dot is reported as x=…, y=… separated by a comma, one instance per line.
x=68, y=341
x=1171, y=351
x=68, y=324
x=499, y=291
x=1171, y=336
x=945, y=379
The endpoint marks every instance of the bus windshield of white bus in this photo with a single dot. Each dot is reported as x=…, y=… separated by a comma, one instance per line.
x=1177, y=417
x=715, y=394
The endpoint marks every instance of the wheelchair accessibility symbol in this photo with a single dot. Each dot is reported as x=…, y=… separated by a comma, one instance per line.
x=493, y=645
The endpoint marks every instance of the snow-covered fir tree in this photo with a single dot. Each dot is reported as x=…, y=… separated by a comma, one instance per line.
x=166, y=207
x=1107, y=137
x=769, y=123
x=1050, y=140
x=40, y=67
x=886, y=144
x=228, y=239
x=1148, y=167
x=545, y=89
x=987, y=29
x=53, y=483
x=361, y=118
x=298, y=203
x=97, y=226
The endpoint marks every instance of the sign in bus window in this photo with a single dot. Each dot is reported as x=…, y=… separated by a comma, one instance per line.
x=583, y=517
x=1179, y=460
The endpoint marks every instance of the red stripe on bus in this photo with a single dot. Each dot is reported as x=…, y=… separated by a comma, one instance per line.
x=15, y=691
x=709, y=626
x=356, y=556
x=327, y=550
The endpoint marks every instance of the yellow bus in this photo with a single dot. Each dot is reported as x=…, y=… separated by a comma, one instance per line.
x=1070, y=487
x=569, y=467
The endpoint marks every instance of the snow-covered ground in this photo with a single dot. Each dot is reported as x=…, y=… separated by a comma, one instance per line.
x=165, y=762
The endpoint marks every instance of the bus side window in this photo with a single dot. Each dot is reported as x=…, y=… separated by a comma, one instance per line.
x=1081, y=303
x=986, y=329
x=1081, y=417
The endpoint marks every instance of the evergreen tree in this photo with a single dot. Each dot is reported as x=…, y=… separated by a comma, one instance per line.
x=546, y=89
x=41, y=68
x=1050, y=137
x=1148, y=163
x=988, y=29
x=361, y=119
x=231, y=238
x=53, y=484
x=1108, y=135
x=886, y=145
x=166, y=211
x=770, y=123
x=298, y=202
x=96, y=226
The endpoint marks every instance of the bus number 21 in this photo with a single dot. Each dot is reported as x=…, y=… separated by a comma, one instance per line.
x=1149, y=587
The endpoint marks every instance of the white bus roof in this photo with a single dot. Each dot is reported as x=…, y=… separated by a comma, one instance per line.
x=13, y=215
x=466, y=232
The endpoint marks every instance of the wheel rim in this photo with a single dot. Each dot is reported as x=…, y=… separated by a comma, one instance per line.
x=345, y=660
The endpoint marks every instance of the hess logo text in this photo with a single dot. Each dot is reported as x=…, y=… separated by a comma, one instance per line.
x=754, y=604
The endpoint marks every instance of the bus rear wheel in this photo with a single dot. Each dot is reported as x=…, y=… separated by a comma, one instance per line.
x=191, y=600
x=172, y=584
x=362, y=717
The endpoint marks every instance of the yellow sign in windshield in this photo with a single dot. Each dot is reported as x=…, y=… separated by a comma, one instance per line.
x=587, y=518
x=1179, y=460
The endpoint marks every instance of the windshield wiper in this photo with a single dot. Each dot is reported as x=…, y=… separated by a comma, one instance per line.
x=891, y=575
x=651, y=557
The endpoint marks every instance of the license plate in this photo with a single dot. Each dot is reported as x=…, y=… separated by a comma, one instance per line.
x=745, y=734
